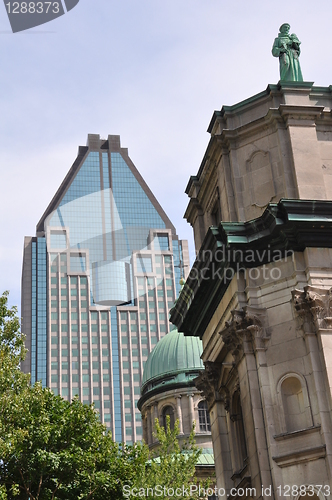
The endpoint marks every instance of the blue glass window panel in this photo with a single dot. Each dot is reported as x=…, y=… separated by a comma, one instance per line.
x=34, y=312
x=81, y=209
x=77, y=263
x=161, y=242
x=58, y=241
x=144, y=264
x=178, y=263
x=42, y=311
x=116, y=375
x=134, y=213
x=86, y=210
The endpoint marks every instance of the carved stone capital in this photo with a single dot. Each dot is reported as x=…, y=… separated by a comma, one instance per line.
x=314, y=307
x=207, y=382
x=245, y=329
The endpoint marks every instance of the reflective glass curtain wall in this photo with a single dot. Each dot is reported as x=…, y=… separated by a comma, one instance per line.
x=105, y=271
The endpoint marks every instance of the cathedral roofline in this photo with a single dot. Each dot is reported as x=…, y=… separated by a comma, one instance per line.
x=288, y=226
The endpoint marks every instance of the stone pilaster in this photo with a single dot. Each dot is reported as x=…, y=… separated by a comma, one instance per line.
x=313, y=306
x=191, y=408
x=149, y=426
x=207, y=382
x=179, y=413
x=245, y=338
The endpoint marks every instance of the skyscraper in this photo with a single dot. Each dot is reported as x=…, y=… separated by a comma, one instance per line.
x=98, y=281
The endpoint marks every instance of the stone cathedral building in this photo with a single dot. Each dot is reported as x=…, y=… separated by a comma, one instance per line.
x=259, y=294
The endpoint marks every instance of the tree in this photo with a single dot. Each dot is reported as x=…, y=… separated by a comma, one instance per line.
x=51, y=448
x=171, y=468
x=12, y=351
x=54, y=449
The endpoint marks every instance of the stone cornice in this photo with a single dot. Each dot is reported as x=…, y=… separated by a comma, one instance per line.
x=170, y=388
x=230, y=138
x=290, y=225
x=273, y=102
x=193, y=210
x=272, y=91
x=299, y=433
x=300, y=456
x=300, y=115
x=199, y=186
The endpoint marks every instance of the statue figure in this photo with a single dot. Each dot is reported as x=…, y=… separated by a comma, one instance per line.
x=287, y=48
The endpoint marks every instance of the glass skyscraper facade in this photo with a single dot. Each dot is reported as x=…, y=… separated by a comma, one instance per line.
x=98, y=281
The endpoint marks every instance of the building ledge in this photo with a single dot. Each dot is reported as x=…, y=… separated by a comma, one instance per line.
x=301, y=456
x=239, y=474
x=301, y=432
x=285, y=227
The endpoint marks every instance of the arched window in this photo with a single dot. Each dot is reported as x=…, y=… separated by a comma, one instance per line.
x=292, y=398
x=203, y=417
x=295, y=404
x=168, y=412
x=313, y=493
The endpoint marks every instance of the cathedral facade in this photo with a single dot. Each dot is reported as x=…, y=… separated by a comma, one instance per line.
x=259, y=294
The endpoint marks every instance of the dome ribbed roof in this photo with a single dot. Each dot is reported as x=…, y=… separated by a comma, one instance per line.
x=174, y=354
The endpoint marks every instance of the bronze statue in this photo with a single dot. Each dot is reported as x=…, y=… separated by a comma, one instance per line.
x=287, y=48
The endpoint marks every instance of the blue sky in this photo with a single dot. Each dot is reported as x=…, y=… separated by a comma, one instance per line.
x=151, y=71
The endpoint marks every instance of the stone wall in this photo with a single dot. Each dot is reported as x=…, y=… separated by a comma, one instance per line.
x=268, y=359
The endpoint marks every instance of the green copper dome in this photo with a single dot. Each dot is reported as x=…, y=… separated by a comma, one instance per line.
x=176, y=359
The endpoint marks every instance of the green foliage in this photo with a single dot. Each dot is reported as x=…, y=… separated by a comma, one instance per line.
x=52, y=449
x=55, y=449
x=171, y=466
x=12, y=351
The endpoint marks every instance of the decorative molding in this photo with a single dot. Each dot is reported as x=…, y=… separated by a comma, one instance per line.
x=214, y=197
x=285, y=227
x=240, y=473
x=240, y=482
x=207, y=382
x=314, y=307
x=301, y=432
x=245, y=331
x=305, y=395
x=301, y=456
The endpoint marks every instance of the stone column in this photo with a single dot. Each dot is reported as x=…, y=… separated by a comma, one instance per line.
x=179, y=413
x=155, y=413
x=313, y=306
x=255, y=419
x=207, y=382
x=242, y=331
x=144, y=426
x=154, y=416
x=148, y=421
x=191, y=408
